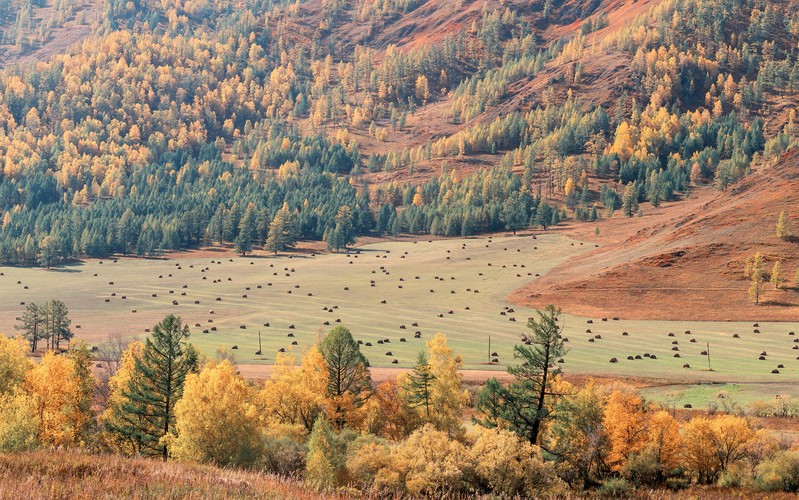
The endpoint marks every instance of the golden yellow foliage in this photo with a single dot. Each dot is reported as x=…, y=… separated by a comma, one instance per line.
x=447, y=396
x=14, y=363
x=113, y=413
x=18, y=429
x=626, y=424
x=57, y=394
x=295, y=395
x=216, y=419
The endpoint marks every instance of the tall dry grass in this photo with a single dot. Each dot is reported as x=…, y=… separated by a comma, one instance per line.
x=76, y=475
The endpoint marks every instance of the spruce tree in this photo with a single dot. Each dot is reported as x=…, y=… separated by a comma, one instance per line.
x=416, y=388
x=147, y=414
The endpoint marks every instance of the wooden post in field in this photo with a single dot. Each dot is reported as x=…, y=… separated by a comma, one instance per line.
x=708, y=357
x=489, y=348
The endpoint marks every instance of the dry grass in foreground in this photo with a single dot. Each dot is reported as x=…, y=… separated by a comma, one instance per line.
x=61, y=474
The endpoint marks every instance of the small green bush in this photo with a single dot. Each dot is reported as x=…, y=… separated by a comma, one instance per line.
x=615, y=488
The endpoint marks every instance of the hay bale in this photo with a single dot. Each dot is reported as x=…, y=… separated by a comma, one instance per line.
x=590, y=322
x=687, y=405
x=242, y=327
x=630, y=358
x=775, y=371
x=671, y=334
x=736, y=336
x=688, y=332
x=234, y=347
x=294, y=342
x=677, y=355
x=614, y=360
x=780, y=366
x=762, y=358
x=653, y=357
x=675, y=342
x=598, y=337
x=394, y=362
x=368, y=344
x=588, y=331
x=764, y=353
x=591, y=340
x=703, y=353
x=205, y=331
x=281, y=350
x=388, y=353
x=693, y=341
x=565, y=339
x=638, y=356
x=686, y=365
x=624, y=334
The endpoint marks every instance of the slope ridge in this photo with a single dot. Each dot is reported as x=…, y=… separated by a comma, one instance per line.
x=686, y=260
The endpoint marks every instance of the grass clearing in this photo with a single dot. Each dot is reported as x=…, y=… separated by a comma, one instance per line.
x=469, y=278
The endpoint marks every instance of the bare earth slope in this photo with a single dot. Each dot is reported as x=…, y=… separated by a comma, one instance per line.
x=686, y=260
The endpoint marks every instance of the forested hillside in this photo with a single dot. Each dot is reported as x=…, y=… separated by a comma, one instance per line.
x=187, y=123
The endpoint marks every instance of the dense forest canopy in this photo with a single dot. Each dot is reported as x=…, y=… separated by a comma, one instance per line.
x=180, y=117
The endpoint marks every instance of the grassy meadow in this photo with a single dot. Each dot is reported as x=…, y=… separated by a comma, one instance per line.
x=456, y=286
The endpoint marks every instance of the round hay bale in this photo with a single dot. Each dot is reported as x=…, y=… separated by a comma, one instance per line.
x=234, y=347
x=394, y=362
x=242, y=327
x=755, y=331
x=630, y=358
x=591, y=340
x=671, y=334
x=703, y=353
x=590, y=322
x=282, y=349
x=614, y=360
x=624, y=334
x=294, y=342
x=213, y=328
x=780, y=366
x=560, y=360
x=677, y=355
x=598, y=337
x=762, y=358
x=368, y=344
x=388, y=353
x=736, y=336
x=687, y=405
x=688, y=332
x=675, y=342
x=686, y=365
x=638, y=356
x=764, y=353
x=146, y=330
x=587, y=331
x=693, y=341
x=205, y=330
x=775, y=371
x=653, y=357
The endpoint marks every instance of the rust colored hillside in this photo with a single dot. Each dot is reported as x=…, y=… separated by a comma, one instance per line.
x=686, y=260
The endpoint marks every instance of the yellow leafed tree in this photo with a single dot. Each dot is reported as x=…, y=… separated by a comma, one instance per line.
x=295, y=395
x=14, y=363
x=447, y=396
x=57, y=395
x=114, y=413
x=18, y=429
x=216, y=419
x=626, y=424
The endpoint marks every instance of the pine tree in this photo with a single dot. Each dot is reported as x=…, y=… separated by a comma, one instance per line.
x=147, y=412
x=33, y=325
x=349, y=381
x=57, y=323
x=527, y=402
x=282, y=232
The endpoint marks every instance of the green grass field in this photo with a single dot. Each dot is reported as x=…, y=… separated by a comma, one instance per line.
x=454, y=286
